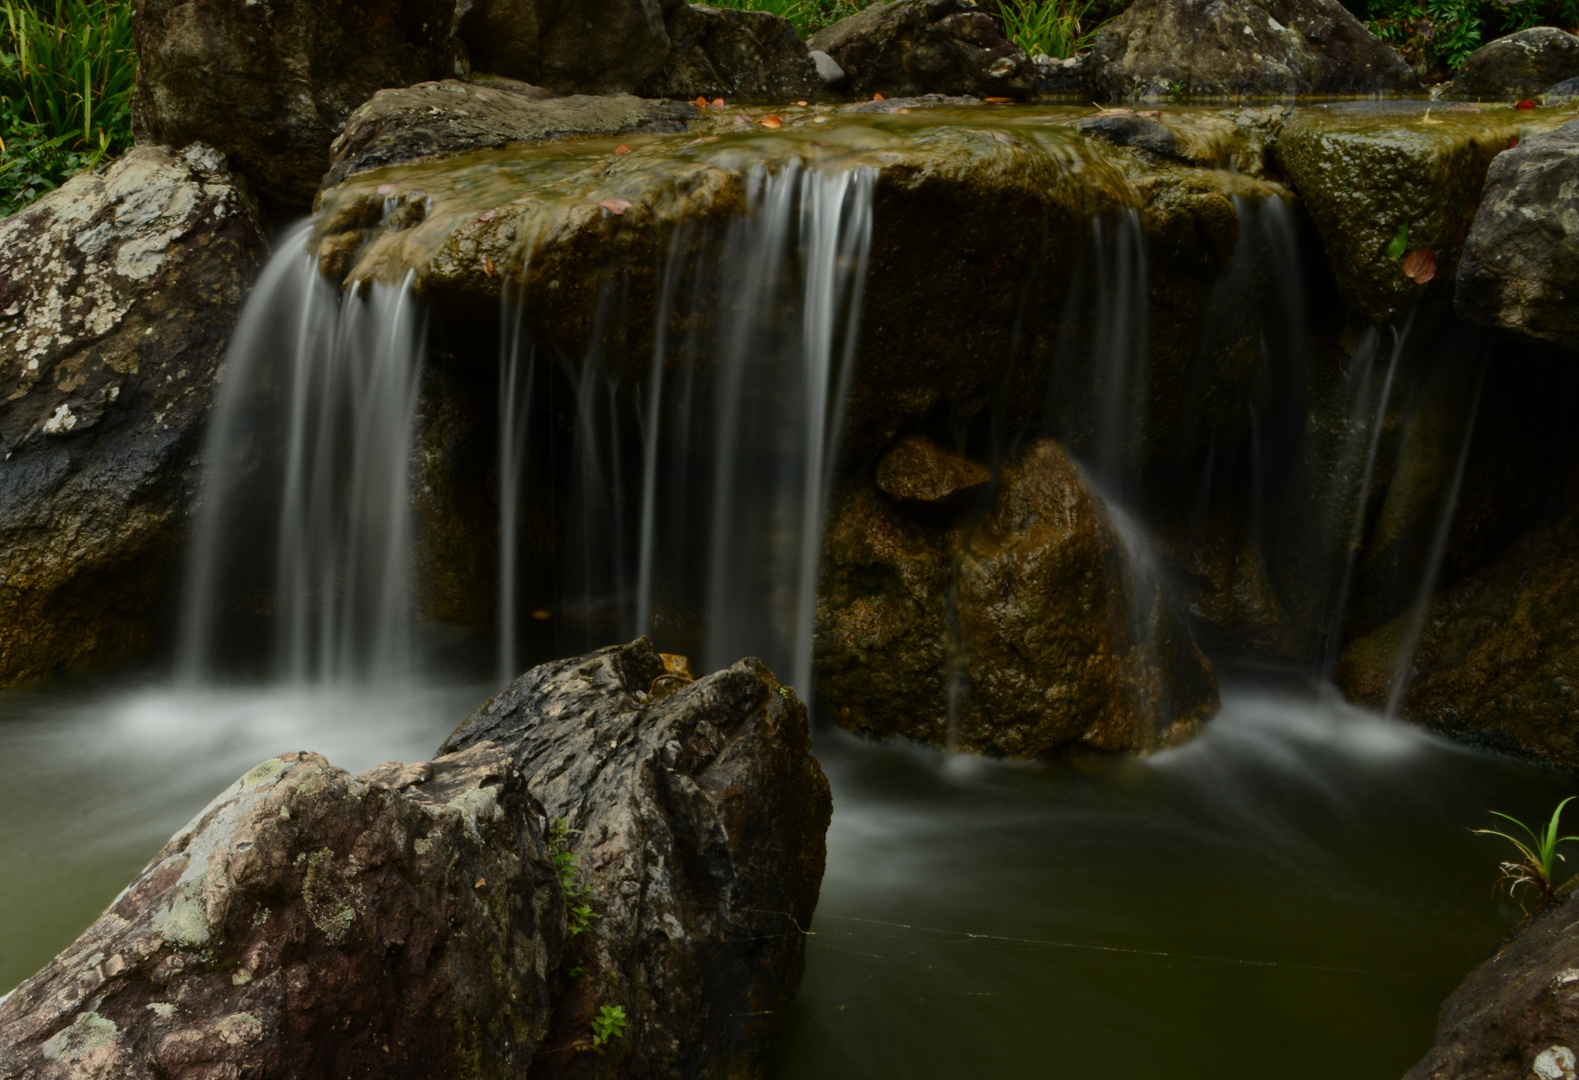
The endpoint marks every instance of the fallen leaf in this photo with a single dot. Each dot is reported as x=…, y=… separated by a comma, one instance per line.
x=700, y=102
x=1513, y=140
x=622, y=149
x=877, y=97
x=898, y=109
x=615, y=206
x=718, y=103
x=741, y=118
x=819, y=119
x=1154, y=114
x=771, y=121
x=486, y=215
x=487, y=266
x=998, y=100
x=703, y=139
x=481, y=882
x=1420, y=265
x=802, y=104
x=1527, y=103
x=386, y=189
x=1400, y=242
x=1005, y=137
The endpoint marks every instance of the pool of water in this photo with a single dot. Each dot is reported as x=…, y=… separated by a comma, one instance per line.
x=1292, y=894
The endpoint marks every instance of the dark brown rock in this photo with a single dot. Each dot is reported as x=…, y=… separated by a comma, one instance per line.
x=1238, y=48
x=270, y=84
x=580, y=46
x=919, y=473
x=1525, y=64
x=1063, y=642
x=1520, y=270
x=701, y=817
x=926, y=47
x=438, y=119
x=1517, y=1015
x=311, y=924
x=735, y=54
x=117, y=294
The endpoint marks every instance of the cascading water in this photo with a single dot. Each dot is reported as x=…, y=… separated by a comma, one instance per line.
x=305, y=509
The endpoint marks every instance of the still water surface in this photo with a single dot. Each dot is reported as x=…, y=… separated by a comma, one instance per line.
x=1293, y=894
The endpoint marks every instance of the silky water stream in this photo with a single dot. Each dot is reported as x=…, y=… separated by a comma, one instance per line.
x=1295, y=891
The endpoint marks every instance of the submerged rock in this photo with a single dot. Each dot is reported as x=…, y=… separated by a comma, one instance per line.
x=117, y=294
x=1517, y=1015
x=1238, y=48
x=1520, y=270
x=314, y=924
x=1064, y=642
x=926, y=47
x=698, y=816
x=1522, y=65
x=271, y=84
x=731, y=53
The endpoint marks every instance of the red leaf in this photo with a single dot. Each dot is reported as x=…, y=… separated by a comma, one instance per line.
x=1513, y=140
x=877, y=97
x=771, y=121
x=718, y=103
x=1420, y=265
x=700, y=102
x=998, y=100
x=1527, y=103
x=622, y=149
x=615, y=206
x=487, y=266
x=802, y=104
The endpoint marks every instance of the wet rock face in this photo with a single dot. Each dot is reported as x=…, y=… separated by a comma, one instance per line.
x=117, y=294
x=1234, y=48
x=1517, y=1015
x=1370, y=173
x=1062, y=643
x=920, y=474
x=1520, y=270
x=926, y=46
x=1525, y=64
x=452, y=117
x=729, y=53
x=314, y=924
x=701, y=817
x=270, y=85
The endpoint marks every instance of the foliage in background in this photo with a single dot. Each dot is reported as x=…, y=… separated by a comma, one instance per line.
x=1535, y=869
x=809, y=16
x=1058, y=28
x=66, y=73
x=1437, y=36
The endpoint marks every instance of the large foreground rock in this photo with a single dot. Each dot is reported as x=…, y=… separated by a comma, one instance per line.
x=1238, y=48
x=699, y=817
x=117, y=294
x=1522, y=65
x=1516, y=1016
x=1063, y=641
x=1520, y=270
x=926, y=47
x=312, y=924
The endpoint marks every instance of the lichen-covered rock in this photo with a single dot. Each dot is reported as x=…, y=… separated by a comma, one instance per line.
x=1522, y=65
x=732, y=53
x=270, y=84
x=1520, y=270
x=313, y=924
x=1497, y=656
x=926, y=47
x=1371, y=174
x=1063, y=641
x=117, y=294
x=453, y=117
x=700, y=820
x=1516, y=1016
x=919, y=473
x=1240, y=48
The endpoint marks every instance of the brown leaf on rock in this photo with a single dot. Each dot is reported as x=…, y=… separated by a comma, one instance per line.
x=487, y=266
x=877, y=97
x=719, y=103
x=615, y=206
x=622, y=149
x=1420, y=265
x=771, y=121
x=700, y=102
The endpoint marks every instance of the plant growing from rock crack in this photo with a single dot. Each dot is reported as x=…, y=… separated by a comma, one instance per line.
x=608, y=1024
x=578, y=895
x=1540, y=857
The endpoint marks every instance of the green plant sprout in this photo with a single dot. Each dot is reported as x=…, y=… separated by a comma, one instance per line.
x=608, y=1024
x=1535, y=869
x=1053, y=27
x=578, y=896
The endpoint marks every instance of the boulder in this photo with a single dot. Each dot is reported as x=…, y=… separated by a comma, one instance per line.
x=926, y=46
x=117, y=294
x=1240, y=48
x=569, y=46
x=270, y=85
x=1520, y=270
x=1053, y=638
x=1522, y=65
x=1372, y=174
x=314, y=924
x=1516, y=1016
x=731, y=53
x=437, y=119
x=698, y=817
x=920, y=474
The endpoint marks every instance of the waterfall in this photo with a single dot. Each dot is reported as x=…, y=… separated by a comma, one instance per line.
x=517, y=366
x=305, y=495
